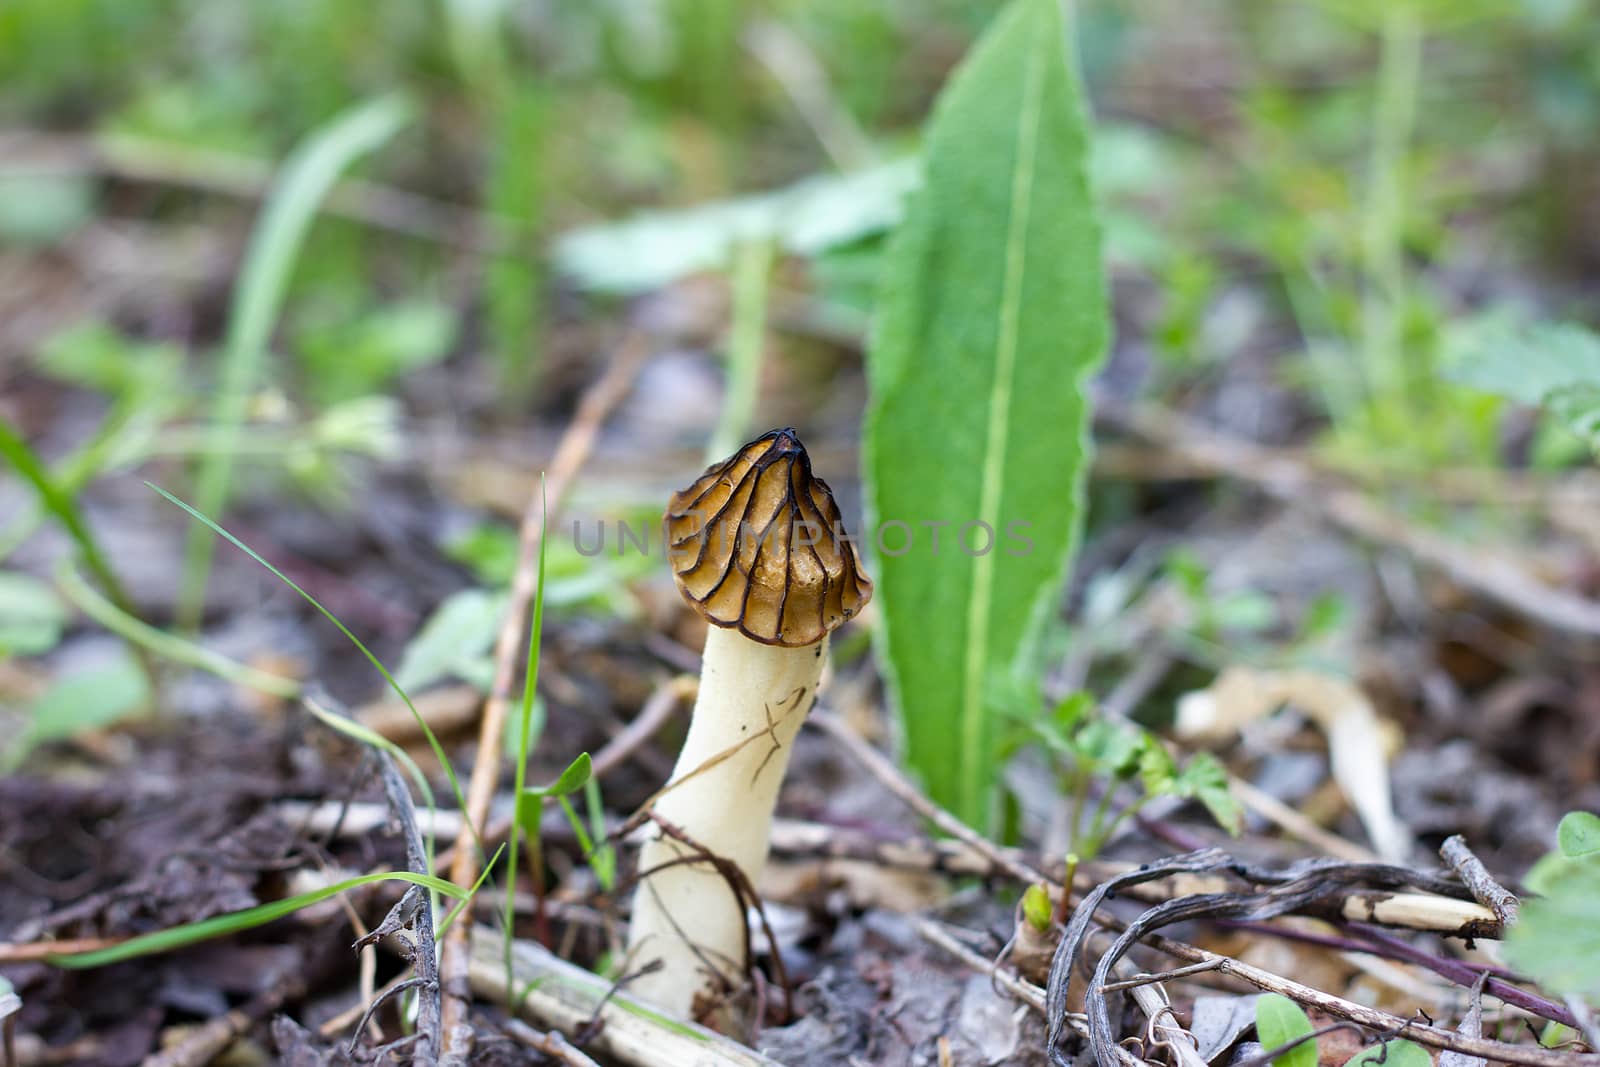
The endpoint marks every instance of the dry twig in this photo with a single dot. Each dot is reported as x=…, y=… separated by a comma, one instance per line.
x=1476, y=877
x=889, y=776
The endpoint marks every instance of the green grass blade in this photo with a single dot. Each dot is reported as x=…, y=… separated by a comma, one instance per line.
x=168, y=646
x=530, y=681
x=308, y=175
x=993, y=317
x=433, y=740
x=514, y=284
x=752, y=270
x=235, y=921
x=368, y=736
x=57, y=502
x=461, y=905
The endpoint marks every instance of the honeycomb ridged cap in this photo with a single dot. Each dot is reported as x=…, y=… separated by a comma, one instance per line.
x=756, y=544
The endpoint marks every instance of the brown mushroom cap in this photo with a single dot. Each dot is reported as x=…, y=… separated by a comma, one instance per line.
x=757, y=545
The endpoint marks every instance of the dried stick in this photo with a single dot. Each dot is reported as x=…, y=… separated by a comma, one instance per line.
x=889, y=776
x=938, y=934
x=206, y=1042
x=1476, y=877
x=574, y=449
x=562, y=996
x=549, y=1042
x=1288, y=890
x=415, y=910
x=1372, y=1018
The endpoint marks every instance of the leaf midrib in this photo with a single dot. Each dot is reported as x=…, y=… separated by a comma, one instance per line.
x=979, y=605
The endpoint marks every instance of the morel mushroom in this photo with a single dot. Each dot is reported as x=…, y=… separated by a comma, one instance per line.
x=758, y=548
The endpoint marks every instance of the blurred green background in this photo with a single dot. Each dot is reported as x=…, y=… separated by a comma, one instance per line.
x=1320, y=201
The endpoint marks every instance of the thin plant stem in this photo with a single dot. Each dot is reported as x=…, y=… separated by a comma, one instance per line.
x=1383, y=222
x=752, y=269
x=530, y=681
x=168, y=646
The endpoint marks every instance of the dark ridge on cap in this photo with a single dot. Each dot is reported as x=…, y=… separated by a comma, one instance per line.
x=755, y=544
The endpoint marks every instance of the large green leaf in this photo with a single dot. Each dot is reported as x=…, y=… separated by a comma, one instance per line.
x=994, y=315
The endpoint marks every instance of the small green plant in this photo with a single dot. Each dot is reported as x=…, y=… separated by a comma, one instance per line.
x=1557, y=938
x=1555, y=366
x=1086, y=747
x=1396, y=1053
x=1280, y=1021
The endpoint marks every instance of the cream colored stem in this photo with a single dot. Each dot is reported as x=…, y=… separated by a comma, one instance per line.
x=753, y=698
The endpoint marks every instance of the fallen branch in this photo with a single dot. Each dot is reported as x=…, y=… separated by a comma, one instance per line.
x=1286, y=891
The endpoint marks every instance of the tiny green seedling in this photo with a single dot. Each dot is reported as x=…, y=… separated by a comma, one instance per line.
x=1279, y=1021
x=1396, y=1053
x=1086, y=746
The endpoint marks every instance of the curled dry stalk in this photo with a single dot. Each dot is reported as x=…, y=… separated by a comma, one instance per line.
x=413, y=911
x=1297, y=888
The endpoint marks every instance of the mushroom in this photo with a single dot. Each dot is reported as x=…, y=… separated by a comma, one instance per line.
x=757, y=547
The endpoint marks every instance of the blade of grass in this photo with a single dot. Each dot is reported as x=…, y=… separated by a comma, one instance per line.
x=60, y=504
x=368, y=736
x=307, y=177
x=530, y=680
x=752, y=270
x=433, y=740
x=169, y=646
x=462, y=905
x=235, y=921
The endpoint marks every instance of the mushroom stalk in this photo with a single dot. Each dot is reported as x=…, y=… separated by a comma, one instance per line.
x=757, y=547
x=753, y=698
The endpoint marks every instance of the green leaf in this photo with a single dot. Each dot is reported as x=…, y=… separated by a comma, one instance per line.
x=79, y=702
x=1396, y=1053
x=994, y=316
x=353, y=356
x=454, y=642
x=1158, y=772
x=1525, y=363
x=1553, y=364
x=571, y=780
x=1579, y=834
x=1111, y=746
x=1557, y=938
x=807, y=218
x=41, y=209
x=235, y=921
x=31, y=616
x=1203, y=779
x=1279, y=1021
